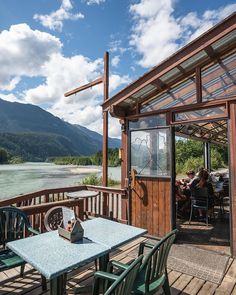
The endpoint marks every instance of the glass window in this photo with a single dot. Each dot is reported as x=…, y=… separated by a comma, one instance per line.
x=218, y=81
x=150, y=154
x=148, y=122
x=201, y=114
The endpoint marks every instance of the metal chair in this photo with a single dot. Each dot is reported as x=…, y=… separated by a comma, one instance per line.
x=113, y=284
x=14, y=225
x=199, y=200
x=152, y=274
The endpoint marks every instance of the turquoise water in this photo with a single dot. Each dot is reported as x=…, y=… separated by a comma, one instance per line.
x=29, y=177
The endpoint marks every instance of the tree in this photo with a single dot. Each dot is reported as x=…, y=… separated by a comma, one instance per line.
x=3, y=156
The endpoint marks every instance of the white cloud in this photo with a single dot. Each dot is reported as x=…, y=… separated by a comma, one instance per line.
x=9, y=97
x=115, y=61
x=116, y=46
x=30, y=53
x=157, y=33
x=91, y=2
x=24, y=52
x=54, y=20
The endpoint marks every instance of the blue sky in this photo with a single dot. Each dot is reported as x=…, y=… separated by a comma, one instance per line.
x=48, y=47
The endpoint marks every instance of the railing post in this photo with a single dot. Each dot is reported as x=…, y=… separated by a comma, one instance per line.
x=47, y=198
x=124, y=208
x=105, y=204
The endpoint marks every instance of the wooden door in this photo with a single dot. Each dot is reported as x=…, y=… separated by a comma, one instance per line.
x=151, y=204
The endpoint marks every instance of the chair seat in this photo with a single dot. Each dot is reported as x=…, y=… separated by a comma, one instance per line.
x=139, y=287
x=9, y=259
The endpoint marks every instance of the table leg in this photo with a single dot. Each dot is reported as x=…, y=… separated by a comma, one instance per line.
x=58, y=285
x=103, y=261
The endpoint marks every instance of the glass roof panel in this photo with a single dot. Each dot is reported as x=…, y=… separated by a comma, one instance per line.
x=194, y=60
x=144, y=91
x=229, y=38
x=182, y=94
x=169, y=76
x=205, y=131
x=219, y=80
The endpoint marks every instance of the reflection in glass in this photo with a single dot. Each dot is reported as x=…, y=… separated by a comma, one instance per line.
x=200, y=114
x=219, y=80
x=148, y=122
x=150, y=152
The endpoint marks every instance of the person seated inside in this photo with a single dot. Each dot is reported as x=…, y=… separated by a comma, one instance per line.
x=188, y=182
x=201, y=182
x=182, y=200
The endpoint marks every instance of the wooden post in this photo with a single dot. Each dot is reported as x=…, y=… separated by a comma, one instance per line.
x=105, y=80
x=125, y=200
x=232, y=164
x=105, y=134
x=105, y=121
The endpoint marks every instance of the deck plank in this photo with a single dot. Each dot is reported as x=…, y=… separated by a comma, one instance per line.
x=228, y=282
x=208, y=289
x=194, y=286
x=180, y=284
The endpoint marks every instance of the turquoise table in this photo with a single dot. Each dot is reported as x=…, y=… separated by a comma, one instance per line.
x=53, y=256
x=110, y=233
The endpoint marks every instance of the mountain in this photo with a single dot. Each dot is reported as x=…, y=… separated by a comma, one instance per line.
x=36, y=134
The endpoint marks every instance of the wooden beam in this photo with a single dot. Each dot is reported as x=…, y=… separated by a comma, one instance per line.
x=198, y=85
x=232, y=164
x=86, y=86
x=184, y=108
x=105, y=125
x=117, y=111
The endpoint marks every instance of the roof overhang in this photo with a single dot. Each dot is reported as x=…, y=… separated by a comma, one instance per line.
x=217, y=41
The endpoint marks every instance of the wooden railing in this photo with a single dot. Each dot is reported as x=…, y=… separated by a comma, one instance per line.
x=109, y=203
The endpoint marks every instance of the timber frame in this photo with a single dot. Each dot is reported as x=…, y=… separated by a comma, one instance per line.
x=195, y=90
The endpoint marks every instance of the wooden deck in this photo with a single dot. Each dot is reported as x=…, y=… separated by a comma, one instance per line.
x=12, y=283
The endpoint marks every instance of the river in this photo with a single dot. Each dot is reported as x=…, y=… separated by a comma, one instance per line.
x=29, y=177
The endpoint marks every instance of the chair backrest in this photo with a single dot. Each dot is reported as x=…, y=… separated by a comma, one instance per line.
x=155, y=263
x=125, y=282
x=226, y=189
x=53, y=218
x=13, y=224
x=200, y=196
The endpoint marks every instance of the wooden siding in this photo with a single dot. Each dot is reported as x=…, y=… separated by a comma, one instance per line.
x=151, y=206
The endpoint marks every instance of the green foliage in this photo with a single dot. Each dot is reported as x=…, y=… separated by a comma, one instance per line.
x=93, y=179
x=3, y=156
x=16, y=160
x=216, y=159
x=96, y=159
x=7, y=158
x=189, y=155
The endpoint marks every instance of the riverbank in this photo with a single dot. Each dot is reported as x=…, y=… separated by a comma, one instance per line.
x=29, y=177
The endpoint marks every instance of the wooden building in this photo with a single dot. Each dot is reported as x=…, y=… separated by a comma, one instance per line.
x=192, y=93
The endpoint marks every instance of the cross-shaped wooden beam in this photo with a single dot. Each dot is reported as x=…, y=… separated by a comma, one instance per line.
x=105, y=80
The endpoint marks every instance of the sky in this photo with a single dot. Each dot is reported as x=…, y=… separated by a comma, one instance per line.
x=48, y=47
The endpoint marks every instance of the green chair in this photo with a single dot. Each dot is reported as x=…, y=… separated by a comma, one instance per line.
x=153, y=271
x=14, y=225
x=113, y=284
